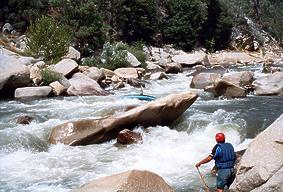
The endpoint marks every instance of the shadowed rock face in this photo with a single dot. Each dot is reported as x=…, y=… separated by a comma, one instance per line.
x=159, y=112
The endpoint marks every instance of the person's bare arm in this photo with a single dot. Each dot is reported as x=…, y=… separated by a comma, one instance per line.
x=205, y=160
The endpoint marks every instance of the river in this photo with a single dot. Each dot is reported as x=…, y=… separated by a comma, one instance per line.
x=29, y=164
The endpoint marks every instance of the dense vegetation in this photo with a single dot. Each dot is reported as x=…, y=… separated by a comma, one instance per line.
x=267, y=14
x=185, y=24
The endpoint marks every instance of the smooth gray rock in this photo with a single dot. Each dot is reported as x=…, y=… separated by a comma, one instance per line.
x=67, y=67
x=83, y=85
x=271, y=84
x=25, y=92
x=262, y=160
x=242, y=78
x=13, y=74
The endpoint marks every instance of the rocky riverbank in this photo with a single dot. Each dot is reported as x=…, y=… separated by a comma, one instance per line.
x=21, y=77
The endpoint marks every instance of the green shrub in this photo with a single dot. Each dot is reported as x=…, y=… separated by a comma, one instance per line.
x=49, y=76
x=137, y=50
x=46, y=39
x=114, y=55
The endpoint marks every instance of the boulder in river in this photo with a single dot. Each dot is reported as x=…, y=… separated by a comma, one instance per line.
x=127, y=136
x=260, y=168
x=13, y=74
x=162, y=111
x=130, y=181
x=224, y=88
x=271, y=84
x=83, y=85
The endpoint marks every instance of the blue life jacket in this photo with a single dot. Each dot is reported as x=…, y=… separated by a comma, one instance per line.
x=227, y=157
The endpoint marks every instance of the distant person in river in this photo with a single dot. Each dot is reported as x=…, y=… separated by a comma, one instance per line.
x=224, y=155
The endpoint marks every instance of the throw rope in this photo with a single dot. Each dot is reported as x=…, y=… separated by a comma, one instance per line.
x=203, y=182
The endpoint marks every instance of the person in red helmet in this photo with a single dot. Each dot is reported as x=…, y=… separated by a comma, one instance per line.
x=224, y=155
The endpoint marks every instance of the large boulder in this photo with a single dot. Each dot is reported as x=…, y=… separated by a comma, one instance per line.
x=159, y=112
x=271, y=84
x=83, y=85
x=242, y=78
x=232, y=58
x=130, y=181
x=202, y=80
x=227, y=89
x=95, y=74
x=127, y=73
x=262, y=162
x=67, y=67
x=13, y=74
x=26, y=92
x=192, y=59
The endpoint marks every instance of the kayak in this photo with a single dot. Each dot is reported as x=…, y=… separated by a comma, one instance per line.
x=140, y=97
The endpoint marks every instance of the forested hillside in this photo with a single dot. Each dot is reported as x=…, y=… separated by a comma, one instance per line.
x=185, y=24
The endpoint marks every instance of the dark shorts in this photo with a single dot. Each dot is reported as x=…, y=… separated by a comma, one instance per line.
x=224, y=177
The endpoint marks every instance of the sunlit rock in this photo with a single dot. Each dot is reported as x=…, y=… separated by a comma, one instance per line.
x=127, y=73
x=83, y=85
x=271, y=84
x=257, y=171
x=130, y=181
x=162, y=111
x=67, y=67
x=26, y=92
x=27, y=60
x=232, y=58
x=202, y=80
x=13, y=74
x=95, y=74
x=192, y=59
x=242, y=78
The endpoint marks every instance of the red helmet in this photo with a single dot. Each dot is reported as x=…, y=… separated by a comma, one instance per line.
x=220, y=137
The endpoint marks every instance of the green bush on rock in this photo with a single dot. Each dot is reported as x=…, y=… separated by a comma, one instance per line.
x=49, y=76
x=46, y=39
x=114, y=55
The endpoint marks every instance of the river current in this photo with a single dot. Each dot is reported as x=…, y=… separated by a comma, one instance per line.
x=29, y=164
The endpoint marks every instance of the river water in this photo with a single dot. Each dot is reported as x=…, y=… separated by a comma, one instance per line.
x=29, y=164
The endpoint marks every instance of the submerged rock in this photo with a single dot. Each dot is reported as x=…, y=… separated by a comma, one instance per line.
x=130, y=181
x=159, y=112
x=127, y=136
